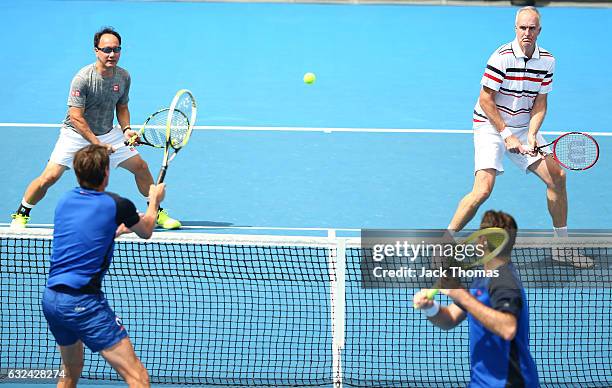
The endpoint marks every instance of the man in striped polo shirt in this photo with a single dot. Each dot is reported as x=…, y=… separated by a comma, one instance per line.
x=508, y=114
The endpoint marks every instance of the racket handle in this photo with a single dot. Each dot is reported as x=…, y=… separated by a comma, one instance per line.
x=432, y=293
x=162, y=174
x=131, y=140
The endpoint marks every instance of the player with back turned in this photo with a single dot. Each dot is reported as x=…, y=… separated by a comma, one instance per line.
x=87, y=220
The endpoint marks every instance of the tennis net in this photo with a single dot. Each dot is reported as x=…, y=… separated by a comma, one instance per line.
x=251, y=310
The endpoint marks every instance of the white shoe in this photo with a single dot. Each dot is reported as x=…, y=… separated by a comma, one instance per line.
x=573, y=258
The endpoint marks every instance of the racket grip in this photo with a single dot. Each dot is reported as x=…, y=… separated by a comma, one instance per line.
x=432, y=293
x=162, y=174
x=130, y=141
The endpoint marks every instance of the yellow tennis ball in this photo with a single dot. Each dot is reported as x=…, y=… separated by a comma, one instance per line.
x=309, y=78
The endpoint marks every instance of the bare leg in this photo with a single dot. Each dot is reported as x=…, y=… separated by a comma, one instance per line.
x=39, y=186
x=556, y=195
x=484, y=180
x=137, y=166
x=72, y=365
x=123, y=359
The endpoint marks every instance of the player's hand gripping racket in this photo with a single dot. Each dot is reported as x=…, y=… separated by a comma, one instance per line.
x=495, y=239
x=574, y=150
x=180, y=120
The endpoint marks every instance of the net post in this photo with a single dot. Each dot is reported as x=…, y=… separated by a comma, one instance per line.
x=337, y=267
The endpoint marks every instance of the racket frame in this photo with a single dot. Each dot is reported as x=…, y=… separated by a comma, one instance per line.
x=554, y=143
x=169, y=144
x=484, y=259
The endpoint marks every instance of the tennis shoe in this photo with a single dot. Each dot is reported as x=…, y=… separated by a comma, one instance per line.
x=165, y=221
x=569, y=257
x=19, y=221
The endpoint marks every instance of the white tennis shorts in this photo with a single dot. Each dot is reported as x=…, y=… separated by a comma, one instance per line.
x=489, y=149
x=69, y=142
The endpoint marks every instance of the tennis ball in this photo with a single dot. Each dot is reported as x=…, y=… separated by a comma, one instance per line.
x=309, y=78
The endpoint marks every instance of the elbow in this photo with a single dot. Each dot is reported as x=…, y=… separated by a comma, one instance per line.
x=509, y=332
x=75, y=120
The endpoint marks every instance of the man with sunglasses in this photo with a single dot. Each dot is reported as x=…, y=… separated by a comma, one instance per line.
x=97, y=91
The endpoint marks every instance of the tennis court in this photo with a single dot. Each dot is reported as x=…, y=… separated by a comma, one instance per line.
x=381, y=140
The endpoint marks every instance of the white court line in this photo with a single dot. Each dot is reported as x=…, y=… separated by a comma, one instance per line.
x=312, y=129
x=49, y=226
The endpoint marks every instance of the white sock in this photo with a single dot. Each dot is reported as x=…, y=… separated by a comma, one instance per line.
x=561, y=232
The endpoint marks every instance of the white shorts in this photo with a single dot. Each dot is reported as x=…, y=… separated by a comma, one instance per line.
x=489, y=149
x=69, y=142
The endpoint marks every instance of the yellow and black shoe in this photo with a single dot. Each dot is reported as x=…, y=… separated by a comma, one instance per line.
x=165, y=221
x=19, y=220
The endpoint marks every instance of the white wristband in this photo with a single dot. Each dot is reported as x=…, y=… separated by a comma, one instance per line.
x=506, y=133
x=432, y=311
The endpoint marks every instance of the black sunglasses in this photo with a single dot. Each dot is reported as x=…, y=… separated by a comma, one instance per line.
x=108, y=50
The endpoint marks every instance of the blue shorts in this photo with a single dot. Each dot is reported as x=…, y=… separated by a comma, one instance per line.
x=74, y=316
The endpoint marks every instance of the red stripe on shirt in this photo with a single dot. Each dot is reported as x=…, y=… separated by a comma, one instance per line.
x=523, y=79
x=546, y=83
x=493, y=78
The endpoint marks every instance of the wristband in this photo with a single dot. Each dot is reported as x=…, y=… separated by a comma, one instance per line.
x=432, y=311
x=126, y=128
x=506, y=133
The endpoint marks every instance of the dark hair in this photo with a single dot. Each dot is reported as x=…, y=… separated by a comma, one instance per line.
x=90, y=164
x=499, y=219
x=105, y=30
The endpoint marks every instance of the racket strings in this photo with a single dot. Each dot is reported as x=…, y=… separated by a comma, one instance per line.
x=155, y=129
x=576, y=151
x=180, y=124
x=179, y=128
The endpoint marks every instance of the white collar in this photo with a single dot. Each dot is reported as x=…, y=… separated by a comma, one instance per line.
x=518, y=51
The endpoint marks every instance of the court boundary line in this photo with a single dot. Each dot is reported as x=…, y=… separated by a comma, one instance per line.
x=312, y=129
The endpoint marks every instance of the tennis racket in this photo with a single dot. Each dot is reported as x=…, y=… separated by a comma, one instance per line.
x=496, y=238
x=574, y=150
x=153, y=131
x=180, y=120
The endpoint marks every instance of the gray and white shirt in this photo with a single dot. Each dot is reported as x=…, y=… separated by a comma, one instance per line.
x=99, y=96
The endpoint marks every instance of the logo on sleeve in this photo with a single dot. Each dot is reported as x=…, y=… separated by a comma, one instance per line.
x=119, y=323
x=75, y=93
x=116, y=88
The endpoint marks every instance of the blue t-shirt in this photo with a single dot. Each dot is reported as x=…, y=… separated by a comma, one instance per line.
x=84, y=237
x=495, y=362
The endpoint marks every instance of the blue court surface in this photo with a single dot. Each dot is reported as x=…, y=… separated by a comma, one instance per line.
x=378, y=66
x=381, y=139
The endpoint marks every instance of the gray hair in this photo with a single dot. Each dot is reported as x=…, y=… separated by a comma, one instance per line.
x=525, y=9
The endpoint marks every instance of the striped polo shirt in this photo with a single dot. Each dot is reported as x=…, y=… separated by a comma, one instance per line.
x=517, y=80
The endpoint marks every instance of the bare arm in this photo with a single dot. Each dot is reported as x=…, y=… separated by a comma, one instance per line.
x=447, y=317
x=78, y=121
x=538, y=112
x=487, y=103
x=501, y=323
x=144, y=227
x=123, y=117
